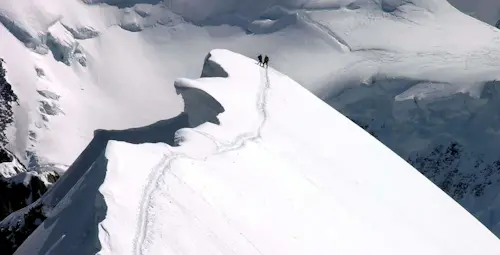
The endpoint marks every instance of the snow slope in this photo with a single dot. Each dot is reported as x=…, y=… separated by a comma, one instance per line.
x=94, y=65
x=262, y=184
x=15, y=228
x=78, y=66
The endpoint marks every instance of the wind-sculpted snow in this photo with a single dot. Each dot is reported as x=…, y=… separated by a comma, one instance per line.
x=292, y=177
x=119, y=54
x=114, y=64
x=158, y=173
x=75, y=195
x=181, y=200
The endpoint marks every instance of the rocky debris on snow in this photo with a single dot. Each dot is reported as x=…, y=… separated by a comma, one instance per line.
x=63, y=45
x=49, y=108
x=82, y=33
x=48, y=94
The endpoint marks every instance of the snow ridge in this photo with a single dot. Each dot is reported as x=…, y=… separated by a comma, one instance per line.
x=140, y=239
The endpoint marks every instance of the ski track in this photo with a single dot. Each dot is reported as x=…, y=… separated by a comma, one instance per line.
x=159, y=171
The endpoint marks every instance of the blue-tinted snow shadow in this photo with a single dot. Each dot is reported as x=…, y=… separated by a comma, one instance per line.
x=83, y=206
x=77, y=192
x=75, y=199
x=122, y=3
x=260, y=21
x=22, y=34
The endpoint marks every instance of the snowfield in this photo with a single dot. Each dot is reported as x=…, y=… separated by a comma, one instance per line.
x=418, y=75
x=78, y=66
x=262, y=184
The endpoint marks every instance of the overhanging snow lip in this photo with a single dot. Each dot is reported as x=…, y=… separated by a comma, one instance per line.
x=212, y=68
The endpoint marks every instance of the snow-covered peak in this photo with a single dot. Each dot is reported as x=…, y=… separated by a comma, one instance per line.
x=277, y=171
x=104, y=59
x=78, y=66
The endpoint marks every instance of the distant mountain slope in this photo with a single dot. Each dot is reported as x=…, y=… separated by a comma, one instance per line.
x=487, y=11
x=450, y=139
x=18, y=186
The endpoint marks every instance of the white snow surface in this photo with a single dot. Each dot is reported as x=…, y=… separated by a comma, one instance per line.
x=111, y=64
x=282, y=173
x=78, y=66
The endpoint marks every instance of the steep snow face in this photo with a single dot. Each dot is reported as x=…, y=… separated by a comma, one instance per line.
x=262, y=184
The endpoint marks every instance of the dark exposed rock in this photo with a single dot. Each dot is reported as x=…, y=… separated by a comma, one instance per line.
x=442, y=166
x=7, y=98
x=49, y=108
x=48, y=94
x=19, y=188
x=5, y=156
x=20, y=192
x=12, y=237
x=16, y=195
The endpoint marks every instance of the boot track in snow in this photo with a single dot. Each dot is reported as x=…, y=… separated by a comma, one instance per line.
x=159, y=171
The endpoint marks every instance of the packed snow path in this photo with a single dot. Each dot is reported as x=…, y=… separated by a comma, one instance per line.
x=158, y=172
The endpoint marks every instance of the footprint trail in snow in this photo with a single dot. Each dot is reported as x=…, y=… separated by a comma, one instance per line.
x=157, y=173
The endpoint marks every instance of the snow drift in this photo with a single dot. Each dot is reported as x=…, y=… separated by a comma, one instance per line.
x=259, y=181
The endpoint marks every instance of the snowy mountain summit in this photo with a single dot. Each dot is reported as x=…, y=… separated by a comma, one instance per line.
x=261, y=166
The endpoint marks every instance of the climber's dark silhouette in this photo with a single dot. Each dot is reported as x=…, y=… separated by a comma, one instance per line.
x=260, y=60
x=266, y=61
x=497, y=25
